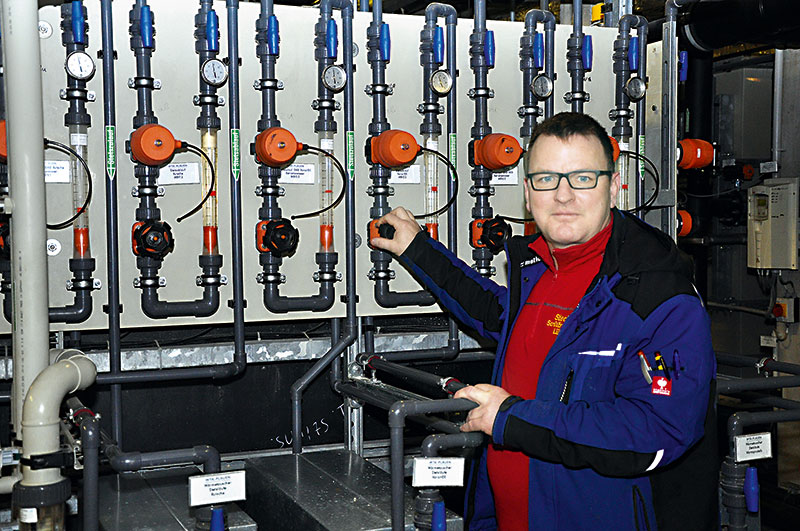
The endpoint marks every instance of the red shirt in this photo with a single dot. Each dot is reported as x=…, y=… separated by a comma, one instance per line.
x=556, y=294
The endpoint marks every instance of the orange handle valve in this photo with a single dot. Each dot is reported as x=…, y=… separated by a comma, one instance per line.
x=384, y=230
x=153, y=145
x=614, y=148
x=393, y=148
x=495, y=234
x=476, y=231
x=496, y=151
x=694, y=154
x=152, y=239
x=684, y=223
x=276, y=147
x=3, y=142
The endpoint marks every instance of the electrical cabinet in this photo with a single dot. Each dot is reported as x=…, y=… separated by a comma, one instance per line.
x=772, y=224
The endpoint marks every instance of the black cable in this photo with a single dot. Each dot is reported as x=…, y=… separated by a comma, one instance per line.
x=58, y=146
x=344, y=183
x=199, y=151
x=446, y=206
x=652, y=170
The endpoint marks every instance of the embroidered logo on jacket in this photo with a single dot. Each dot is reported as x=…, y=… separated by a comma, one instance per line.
x=661, y=386
x=534, y=260
x=555, y=323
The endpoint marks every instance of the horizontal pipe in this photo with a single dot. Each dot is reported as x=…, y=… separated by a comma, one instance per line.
x=447, y=384
x=376, y=393
x=762, y=364
x=756, y=384
x=167, y=375
x=772, y=401
x=447, y=353
x=320, y=302
x=736, y=308
x=387, y=298
x=742, y=419
x=154, y=308
x=433, y=444
x=204, y=455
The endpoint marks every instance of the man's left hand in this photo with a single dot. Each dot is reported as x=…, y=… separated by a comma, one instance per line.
x=488, y=398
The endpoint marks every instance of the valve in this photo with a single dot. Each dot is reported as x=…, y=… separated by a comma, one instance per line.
x=476, y=231
x=5, y=241
x=538, y=51
x=153, y=145
x=694, y=153
x=277, y=236
x=587, y=52
x=276, y=147
x=496, y=151
x=392, y=148
x=494, y=234
x=152, y=239
x=684, y=222
x=384, y=230
x=488, y=49
x=3, y=142
x=614, y=148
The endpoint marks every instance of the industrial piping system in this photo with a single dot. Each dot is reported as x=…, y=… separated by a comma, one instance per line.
x=579, y=59
x=536, y=51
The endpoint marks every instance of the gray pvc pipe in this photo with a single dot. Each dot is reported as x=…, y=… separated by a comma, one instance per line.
x=204, y=455
x=756, y=384
x=574, y=56
x=433, y=444
x=90, y=444
x=24, y=115
x=762, y=363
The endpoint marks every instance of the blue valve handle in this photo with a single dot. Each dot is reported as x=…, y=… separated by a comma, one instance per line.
x=538, y=51
x=331, y=40
x=438, y=45
x=212, y=31
x=78, y=22
x=385, y=43
x=146, y=26
x=587, y=53
x=438, y=519
x=217, y=520
x=751, y=489
x=488, y=49
x=633, y=54
x=683, y=66
x=273, y=36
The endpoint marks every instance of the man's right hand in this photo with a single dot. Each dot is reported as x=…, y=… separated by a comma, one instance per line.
x=406, y=229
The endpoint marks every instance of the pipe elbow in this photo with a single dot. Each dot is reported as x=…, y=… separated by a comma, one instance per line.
x=736, y=423
x=73, y=371
x=208, y=456
x=436, y=10
x=90, y=433
x=398, y=413
x=126, y=462
x=431, y=445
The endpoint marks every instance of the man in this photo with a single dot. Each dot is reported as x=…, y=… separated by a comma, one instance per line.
x=601, y=408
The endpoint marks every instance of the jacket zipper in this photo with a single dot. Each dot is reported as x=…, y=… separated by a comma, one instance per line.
x=567, y=387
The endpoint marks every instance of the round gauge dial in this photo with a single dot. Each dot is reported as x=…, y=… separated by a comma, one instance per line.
x=79, y=65
x=542, y=87
x=214, y=72
x=441, y=82
x=334, y=77
x=635, y=88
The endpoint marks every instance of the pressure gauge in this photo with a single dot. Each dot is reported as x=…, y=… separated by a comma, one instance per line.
x=635, y=88
x=79, y=65
x=441, y=82
x=214, y=72
x=542, y=87
x=334, y=77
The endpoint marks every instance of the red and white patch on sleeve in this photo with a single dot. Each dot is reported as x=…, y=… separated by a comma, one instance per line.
x=661, y=386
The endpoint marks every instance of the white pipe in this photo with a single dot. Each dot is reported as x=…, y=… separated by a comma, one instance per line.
x=777, y=109
x=23, y=80
x=40, y=413
x=7, y=482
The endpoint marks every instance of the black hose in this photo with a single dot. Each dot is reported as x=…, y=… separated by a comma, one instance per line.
x=58, y=146
x=453, y=196
x=653, y=170
x=195, y=149
x=341, y=171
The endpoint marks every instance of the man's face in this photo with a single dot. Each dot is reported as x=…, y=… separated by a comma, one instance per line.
x=566, y=216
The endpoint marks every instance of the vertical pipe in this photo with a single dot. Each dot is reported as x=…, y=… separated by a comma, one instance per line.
x=397, y=466
x=112, y=222
x=574, y=57
x=24, y=114
x=777, y=108
x=90, y=443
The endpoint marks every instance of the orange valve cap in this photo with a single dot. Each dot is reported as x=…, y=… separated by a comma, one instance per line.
x=496, y=151
x=614, y=148
x=276, y=146
x=3, y=142
x=393, y=148
x=695, y=154
x=153, y=145
x=684, y=223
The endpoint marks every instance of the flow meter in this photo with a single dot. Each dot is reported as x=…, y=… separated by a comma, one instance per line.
x=542, y=87
x=441, y=82
x=635, y=88
x=214, y=72
x=334, y=78
x=79, y=65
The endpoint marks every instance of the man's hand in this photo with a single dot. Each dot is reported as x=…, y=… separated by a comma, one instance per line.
x=405, y=230
x=489, y=398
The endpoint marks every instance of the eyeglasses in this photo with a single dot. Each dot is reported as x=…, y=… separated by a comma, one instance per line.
x=578, y=179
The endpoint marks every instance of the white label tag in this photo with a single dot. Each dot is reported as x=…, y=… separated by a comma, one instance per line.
x=438, y=472
x=216, y=488
x=409, y=175
x=298, y=173
x=179, y=173
x=79, y=139
x=28, y=515
x=326, y=144
x=753, y=446
x=509, y=176
x=431, y=144
x=56, y=171
x=768, y=341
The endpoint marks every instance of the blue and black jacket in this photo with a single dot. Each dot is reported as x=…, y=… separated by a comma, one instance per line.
x=607, y=451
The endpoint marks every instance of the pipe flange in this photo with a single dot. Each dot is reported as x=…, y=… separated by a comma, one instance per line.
x=379, y=88
x=615, y=113
x=578, y=95
x=480, y=92
x=762, y=363
x=270, y=278
x=274, y=191
x=327, y=276
x=529, y=110
x=475, y=191
x=211, y=280
x=380, y=190
x=147, y=191
x=86, y=284
x=154, y=282
x=387, y=274
x=318, y=104
x=444, y=381
x=41, y=495
x=144, y=82
x=428, y=108
x=208, y=99
x=74, y=94
x=268, y=84
x=486, y=271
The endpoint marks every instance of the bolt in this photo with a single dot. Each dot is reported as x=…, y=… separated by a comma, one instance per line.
x=281, y=145
x=509, y=149
x=158, y=143
x=404, y=147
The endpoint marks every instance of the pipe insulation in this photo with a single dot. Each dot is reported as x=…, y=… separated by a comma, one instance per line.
x=25, y=122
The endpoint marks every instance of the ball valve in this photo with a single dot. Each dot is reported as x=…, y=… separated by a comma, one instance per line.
x=277, y=236
x=496, y=232
x=152, y=239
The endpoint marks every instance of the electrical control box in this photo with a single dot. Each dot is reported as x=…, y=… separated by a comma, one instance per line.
x=785, y=309
x=772, y=224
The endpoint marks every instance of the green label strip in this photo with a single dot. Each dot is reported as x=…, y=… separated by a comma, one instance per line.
x=111, y=151
x=236, y=155
x=351, y=154
x=452, y=147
